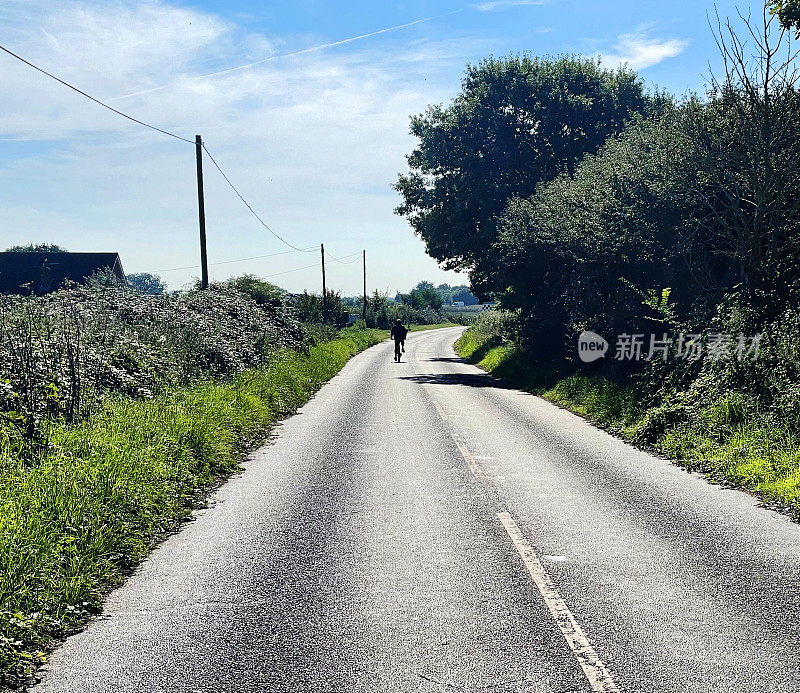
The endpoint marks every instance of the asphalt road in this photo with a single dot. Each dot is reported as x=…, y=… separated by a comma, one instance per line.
x=419, y=527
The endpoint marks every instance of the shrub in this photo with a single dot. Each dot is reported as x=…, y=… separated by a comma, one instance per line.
x=61, y=354
x=107, y=487
x=262, y=292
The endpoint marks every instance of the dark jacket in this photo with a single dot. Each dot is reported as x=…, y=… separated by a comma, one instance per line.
x=399, y=333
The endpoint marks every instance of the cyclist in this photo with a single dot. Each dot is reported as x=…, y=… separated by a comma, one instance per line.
x=398, y=334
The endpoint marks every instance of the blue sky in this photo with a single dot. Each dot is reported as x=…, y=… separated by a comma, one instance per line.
x=312, y=140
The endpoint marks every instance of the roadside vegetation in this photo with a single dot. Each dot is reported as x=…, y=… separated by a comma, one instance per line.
x=119, y=410
x=581, y=202
x=422, y=306
x=728, y=435
x=424, y=328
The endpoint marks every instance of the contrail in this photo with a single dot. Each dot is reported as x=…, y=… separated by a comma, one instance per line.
x=289, y=55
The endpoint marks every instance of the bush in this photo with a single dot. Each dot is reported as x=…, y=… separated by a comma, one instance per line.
x=105, y=489
x=496, y=323
x=262, y=292
x=310, y=308
x=63, y=353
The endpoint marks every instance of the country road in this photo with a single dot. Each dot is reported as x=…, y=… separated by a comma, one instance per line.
x=420, y=527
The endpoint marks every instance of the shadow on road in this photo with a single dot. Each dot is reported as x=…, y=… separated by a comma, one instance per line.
x=467, y=379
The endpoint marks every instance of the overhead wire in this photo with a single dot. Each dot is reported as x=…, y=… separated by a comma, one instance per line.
x=259, y=257
x=296, y=269
x=229, y=262
x=210, y=156
x=92, y=98
x=247, y=204
x=340, y=259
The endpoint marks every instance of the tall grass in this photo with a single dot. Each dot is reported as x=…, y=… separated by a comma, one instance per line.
x=75, y=522
x=726, y=437
x=63, y=354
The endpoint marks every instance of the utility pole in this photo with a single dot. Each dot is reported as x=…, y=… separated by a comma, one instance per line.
x=324, y=291
x=201, y=209
x=364, y=310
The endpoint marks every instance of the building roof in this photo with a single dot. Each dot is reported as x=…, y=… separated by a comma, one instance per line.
x=47, y=272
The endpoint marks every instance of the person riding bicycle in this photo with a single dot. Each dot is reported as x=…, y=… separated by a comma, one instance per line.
x=398, y=334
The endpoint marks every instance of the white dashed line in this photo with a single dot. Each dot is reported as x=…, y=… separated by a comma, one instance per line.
x=593, y=667
x=596, y=672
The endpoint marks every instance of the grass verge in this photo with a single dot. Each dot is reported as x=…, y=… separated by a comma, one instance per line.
x=724, y=438
x=422, y=328
x=73, y=525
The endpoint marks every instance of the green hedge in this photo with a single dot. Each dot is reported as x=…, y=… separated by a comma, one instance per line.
x=77, y=520
x=720, y=436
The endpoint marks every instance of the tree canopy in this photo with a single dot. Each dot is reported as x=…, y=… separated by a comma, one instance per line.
x=582, y=251
x=146, y=283
x=423, y=296
x=788, y=12
x=580, y=202
x=261, y=291
x=518, y=121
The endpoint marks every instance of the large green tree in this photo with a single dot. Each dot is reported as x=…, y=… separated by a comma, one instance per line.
x=703, y=200
x=517, y=122
x=589, y=250
x=422, y=296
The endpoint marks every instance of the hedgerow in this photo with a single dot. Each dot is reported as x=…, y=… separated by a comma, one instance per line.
x=91, y=503
x=118, y=410
x=62, y=354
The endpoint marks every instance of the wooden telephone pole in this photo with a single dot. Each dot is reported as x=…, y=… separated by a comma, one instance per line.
x=324, y=291
x=364, y=309
x=201, y=210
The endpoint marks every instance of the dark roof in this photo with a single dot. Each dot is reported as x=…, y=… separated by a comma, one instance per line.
x=47, y=272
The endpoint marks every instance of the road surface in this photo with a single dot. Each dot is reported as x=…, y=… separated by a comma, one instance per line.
x=420, y=527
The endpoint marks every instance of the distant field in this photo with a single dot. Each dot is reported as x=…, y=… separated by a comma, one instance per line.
x=466, y=310
x=422, y=328
x=462, y=314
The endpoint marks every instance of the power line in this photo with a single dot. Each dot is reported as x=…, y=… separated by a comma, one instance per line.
x=247, y=204
x=182, y=139
x=343, y=257
x=91, y=98
x=340, y=259
x=296, y=269
x=229, y=262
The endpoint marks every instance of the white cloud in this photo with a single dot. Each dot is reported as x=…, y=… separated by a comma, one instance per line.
x=493, y=5
x=314, y=141
x=98, y=48
x=639, y=50
x=312, y=49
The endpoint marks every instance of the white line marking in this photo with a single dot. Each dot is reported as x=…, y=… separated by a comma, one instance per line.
x=593, y=667
x=472, y=463
x=474, y=467
x=440, y=409
x=599, y=678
